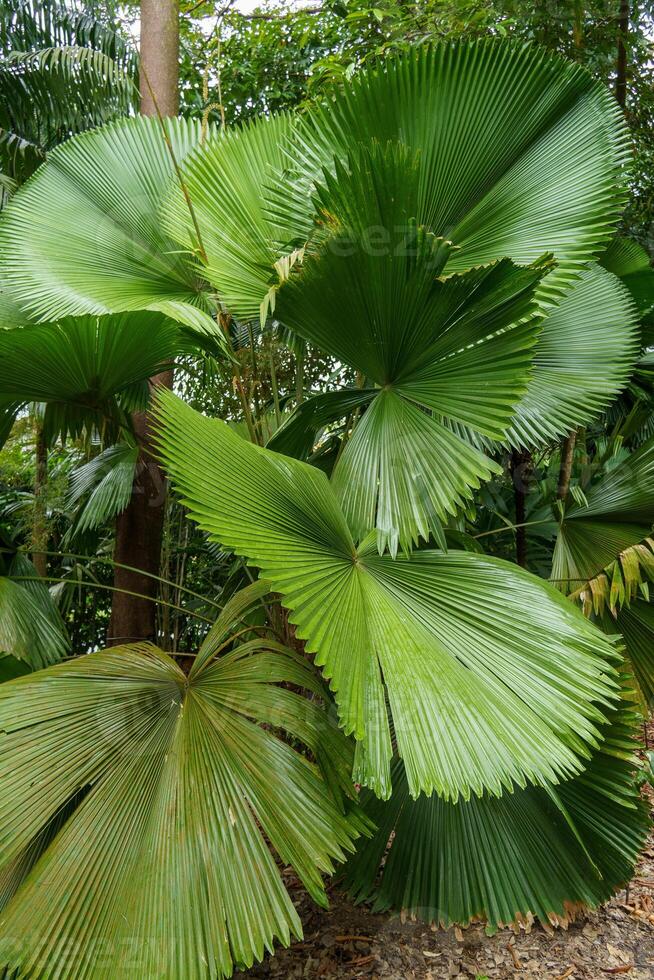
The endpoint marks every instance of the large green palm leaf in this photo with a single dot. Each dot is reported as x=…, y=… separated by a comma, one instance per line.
x=162, y=867
x=50, y=94
x=31, y=629
x=82, y=367
x=530, y=852
x=519, y=150
x=635, y=624
x=584, y=356
x=458, y=348
x=629, y=260
x=62, y=71
x=454, y=641
x=102, y=488
x=106, y=189
x=383, y=207
x=519, y=153
x=225, y=178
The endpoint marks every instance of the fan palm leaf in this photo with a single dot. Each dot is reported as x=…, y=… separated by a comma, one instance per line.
x=82, y=367
x=532, y=852
x=629, y=260
x=61, y=71
x=635, y=624
x=458, y=348
x=106, y=188
x=225, y=178
x=618, y=513
x=163, y=857
x=370, y=220
x=584, y=356
x=455, y=641
x=520, y=151
x=28, y=631
x=520, y=154
x=102, y=488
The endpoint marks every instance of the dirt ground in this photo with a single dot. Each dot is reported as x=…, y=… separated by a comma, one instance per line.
x=347, y=941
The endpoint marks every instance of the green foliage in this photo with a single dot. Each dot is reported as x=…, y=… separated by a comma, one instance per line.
x=416, y=250
x=584, y=357
x=531, y=852
x=616, y=513
x=103, y=486
x=29, y=632
x=62, y=71
x=284, y=517
x=252, y=64
x=106, y=188
x=160, y=771
x=86, y=370
x=224, y=178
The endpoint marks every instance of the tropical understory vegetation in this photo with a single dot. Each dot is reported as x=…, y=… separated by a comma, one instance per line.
x=352, y=361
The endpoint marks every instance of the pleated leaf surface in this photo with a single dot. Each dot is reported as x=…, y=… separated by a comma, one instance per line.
x=491, y=676
x=162, y=866
x=528, y=853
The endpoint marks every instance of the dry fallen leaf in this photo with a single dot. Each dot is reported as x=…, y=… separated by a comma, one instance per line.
x=514, y=956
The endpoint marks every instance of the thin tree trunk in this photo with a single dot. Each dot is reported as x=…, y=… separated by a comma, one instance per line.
x=139, y=531
x=159, y=77
x=621, y=61
x=40, y=523
x=521, y=466
x=578, y=26
x=139, y=528
x=567, y=456
x=299, y=373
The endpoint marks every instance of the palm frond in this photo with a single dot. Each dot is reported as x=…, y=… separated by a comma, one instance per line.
x=46, y=96
x=458, y=348
x=28, y=25
x=81, y=367
x=532, y=852
x=595, y=545
x=635, y=624
x=102, y=488
x=62, y=71
x=520, y=152
x=629, y=261
x=471, y=650
x=106, y=188
x=164, y=855
x=28, y=631
x=225, y=178
x=583, y=357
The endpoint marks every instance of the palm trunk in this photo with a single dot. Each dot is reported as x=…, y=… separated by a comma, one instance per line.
x=139, y=528
x=139, y=532
x=521, y=465
x=621, y=61
x=159, y=78
x=567, y=456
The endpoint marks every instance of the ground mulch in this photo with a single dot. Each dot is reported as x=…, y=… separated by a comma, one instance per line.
x=348, y=941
